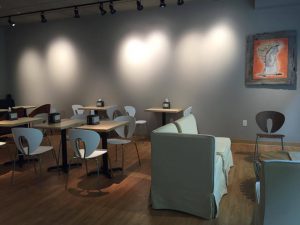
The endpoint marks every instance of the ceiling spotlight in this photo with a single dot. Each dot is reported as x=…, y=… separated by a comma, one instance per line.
x=10, y=22
x=139, y=5
x=162, y=4
x=102, y=10
x=111, y=7
x=43, y=18
x=76, y=12
x=180, y=2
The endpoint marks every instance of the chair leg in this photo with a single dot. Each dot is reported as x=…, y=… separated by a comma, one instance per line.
x=56, y=159
x=256, y=149
x=13, y=170
x=86, y=167
x=40, y=164
x=34, y=167
x=123, y=152
x=116, y=153
x=137, y=151
x=282, y=148
x=110, y=165
x=98, y=168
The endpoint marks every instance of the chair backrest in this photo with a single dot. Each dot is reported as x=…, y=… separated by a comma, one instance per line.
x=32, y=136
x=187, y=111
x=279, y=193
x=43, y=116
x=112, y=112
x=76, y=110
x=90, y=139
x=130, y=110
x=277, y=119
x=41, y=109
x=78, y=117
x=187, y=125
x=126, y=131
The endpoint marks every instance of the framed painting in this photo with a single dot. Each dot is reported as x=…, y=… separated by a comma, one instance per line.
x=272, y=60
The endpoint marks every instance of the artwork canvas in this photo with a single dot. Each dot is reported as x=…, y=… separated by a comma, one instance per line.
x=271, y=60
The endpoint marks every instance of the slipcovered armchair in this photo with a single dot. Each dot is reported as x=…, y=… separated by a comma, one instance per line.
x=277, y=194
x=187, y=175
x=188, y=125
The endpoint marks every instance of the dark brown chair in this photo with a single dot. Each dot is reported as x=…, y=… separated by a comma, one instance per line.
x=41, y=109
x=277, y=119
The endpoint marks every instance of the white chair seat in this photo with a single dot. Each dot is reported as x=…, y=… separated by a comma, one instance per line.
x=140, y=122
x=117, y=141
x=96, y=153
x=2, y=143
x=39, y=150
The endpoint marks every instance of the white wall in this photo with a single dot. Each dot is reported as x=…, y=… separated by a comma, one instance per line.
x=194, y=55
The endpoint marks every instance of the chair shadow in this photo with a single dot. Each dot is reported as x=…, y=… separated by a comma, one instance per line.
x=247, y=188
x=92, y=186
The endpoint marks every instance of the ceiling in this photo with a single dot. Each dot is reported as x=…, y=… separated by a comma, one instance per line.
x=10, y=7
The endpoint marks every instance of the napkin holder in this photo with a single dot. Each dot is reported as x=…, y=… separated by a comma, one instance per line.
x=54, y=118
x=93, y=119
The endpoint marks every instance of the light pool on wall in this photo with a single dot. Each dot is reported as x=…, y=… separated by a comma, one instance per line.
x=141, y=58
x=31, y=78
x=62, y=64
x=206, y=53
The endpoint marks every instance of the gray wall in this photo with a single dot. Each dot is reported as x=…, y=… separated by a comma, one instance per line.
x=194, y=55
x=273, y=3
x=3, y=75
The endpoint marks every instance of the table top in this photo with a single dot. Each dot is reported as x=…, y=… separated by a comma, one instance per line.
x=104, y=126
x=19, y=121
x=64, y=124
x=161, y=110
x=2, y=143
x=93, y=107
x=24, y=107
x=19, y=107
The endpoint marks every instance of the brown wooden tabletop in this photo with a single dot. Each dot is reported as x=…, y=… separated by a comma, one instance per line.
x=104, y=108
x=162, y=110
x=273, y=155
x=19, y=121
x=64, y=124
x=104, y=126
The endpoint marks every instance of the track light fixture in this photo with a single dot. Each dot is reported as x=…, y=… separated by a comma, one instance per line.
x=111, y=7
x=162, y=4
x=101, y=8
x=139, y=5
x=43, y=18
x=76, y=12
x=100, y=3
x=11, y=23
x=180, y=2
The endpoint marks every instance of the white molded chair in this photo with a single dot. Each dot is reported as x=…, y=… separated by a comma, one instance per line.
x=130, y=110
x=187, y=111
x=124, y=136
x=278, y=196
x=76, y=110
x=85, y=145
x=28, y=142
x=111, y=111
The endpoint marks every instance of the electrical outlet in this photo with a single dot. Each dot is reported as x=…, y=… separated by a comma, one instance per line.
x=245, y=123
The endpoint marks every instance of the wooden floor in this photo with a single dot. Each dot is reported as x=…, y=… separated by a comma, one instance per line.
x=123, y=200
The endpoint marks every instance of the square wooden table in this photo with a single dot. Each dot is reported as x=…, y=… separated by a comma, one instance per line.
x=62, y=127
x=164, y=112
x=103, y=128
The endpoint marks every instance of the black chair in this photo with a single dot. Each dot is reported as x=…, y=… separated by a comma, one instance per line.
x=262, y=118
